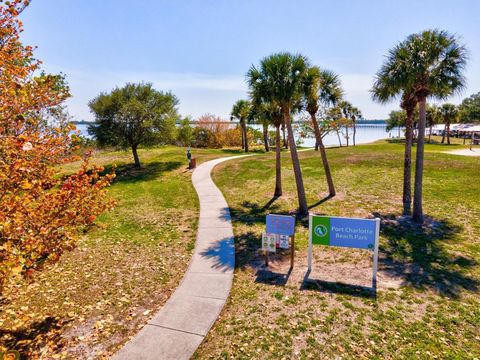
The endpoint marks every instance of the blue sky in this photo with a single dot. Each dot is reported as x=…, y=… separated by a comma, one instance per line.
x=201, y=50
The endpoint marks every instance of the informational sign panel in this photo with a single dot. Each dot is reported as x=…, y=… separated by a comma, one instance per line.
x=282, y=241
x=345, y=232
x=269, y=242
x=281, y=224
x=336, y=231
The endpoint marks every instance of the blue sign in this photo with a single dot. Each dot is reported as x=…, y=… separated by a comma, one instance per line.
x=346, y=232
x=281, y=224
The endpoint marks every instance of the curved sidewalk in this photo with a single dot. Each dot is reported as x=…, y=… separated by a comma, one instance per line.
x=180, y=326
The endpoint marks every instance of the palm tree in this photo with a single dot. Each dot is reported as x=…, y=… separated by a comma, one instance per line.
x=259, y=116
x=350, y=113
x=321, y=86
x=449, y=113
x=279, y=79
x=270, y=113
x=432, y=117
x=427, y=64
x=241, y=111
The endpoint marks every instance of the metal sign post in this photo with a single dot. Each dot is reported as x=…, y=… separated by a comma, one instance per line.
x=344, y=232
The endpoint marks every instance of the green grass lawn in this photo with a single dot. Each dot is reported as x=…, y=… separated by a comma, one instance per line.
x=428, y=300
x=122, y=271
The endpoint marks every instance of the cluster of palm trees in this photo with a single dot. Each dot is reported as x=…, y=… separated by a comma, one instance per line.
x=425, y=65
x=281, y=85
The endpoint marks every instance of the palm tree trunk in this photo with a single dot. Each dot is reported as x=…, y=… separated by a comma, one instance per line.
x=346, y=133
x=278, y=164
x=448, y=132
x=302, y=199
x=135, y=157
x=285, y=142
x=407, y=164
x=354, y=131
x=265, y=137
x=444, y=133
x=339, y=140
x=430, y=134
x=323, y=154
x=243, y=137
x=244, y=129
x=418, y=187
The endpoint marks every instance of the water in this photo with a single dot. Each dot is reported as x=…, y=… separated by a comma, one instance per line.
x=365, y=134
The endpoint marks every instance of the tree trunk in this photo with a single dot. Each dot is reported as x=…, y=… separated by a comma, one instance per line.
x=346, y=134
x=444, y=133
x=316, y=144
x=302, y=199
x=354, y=131
x=323, y=154
x=448, y=132
x=407, y=164
x=244, y=129
x=265, y=137
x=430, y=134
x=243, y=136
x=278, y=164
x=339, y=140
x=285, y=142
x=417, y=196
x=135, y=157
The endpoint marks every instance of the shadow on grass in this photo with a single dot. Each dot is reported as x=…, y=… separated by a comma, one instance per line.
x=265, y=276
x=128, y=173
x=26, y=340
x=418, y=255
x=337, y=287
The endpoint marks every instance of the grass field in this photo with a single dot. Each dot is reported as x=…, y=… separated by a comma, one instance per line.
x=427, y=304
x=123, y=269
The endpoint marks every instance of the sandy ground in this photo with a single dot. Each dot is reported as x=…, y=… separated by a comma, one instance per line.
x=466, y=152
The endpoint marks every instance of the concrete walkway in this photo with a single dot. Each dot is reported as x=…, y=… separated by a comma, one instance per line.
x=180, y=326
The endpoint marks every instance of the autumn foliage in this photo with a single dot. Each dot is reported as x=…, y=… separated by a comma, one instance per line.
x=40, y=211
x=214, y=132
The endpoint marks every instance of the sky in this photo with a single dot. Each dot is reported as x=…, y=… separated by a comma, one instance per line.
x=200, y=50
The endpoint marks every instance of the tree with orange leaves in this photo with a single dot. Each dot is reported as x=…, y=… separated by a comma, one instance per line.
x=40, y=212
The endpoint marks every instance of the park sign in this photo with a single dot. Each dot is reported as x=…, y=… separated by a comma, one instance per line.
x=278, y=230
x=280, y=224
x=344, y=232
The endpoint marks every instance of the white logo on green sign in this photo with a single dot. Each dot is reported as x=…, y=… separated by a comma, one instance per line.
x=321, y=230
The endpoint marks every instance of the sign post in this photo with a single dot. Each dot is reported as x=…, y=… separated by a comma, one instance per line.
x=281, y=225
x=344, y=232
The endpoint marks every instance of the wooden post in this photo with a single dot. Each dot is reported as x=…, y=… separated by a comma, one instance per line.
x=292, y=252
x=266, y=258
x=471, y=142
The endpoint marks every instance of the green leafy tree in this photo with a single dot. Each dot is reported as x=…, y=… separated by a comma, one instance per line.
x=185, y=132
x=241, y=112
x=134, y=115
x=321, y=87
x=427, y=64
x=469, y=109
x=396, y=119
x=280, y=78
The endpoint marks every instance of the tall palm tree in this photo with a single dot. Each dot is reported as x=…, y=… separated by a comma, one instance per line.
x=321, y=86
x=449, y=113
x=241, y=111
x=432, y=118
x=427, y=64
x=351, y=114
x=279, y=79
x=270, y=113
x=259, y=116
